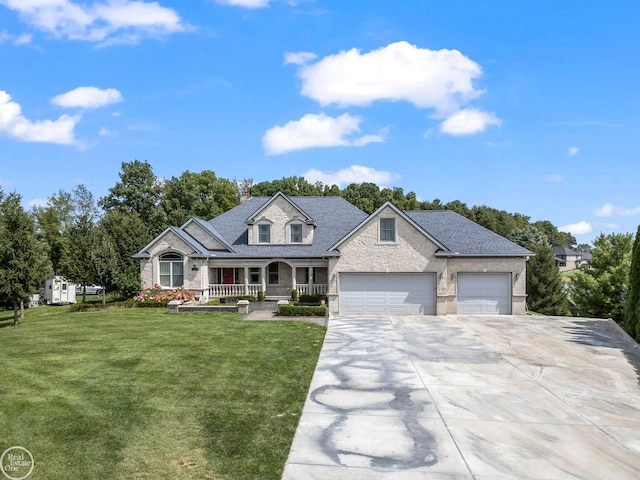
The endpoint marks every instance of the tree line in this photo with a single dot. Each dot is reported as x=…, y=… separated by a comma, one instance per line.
x=91, y=240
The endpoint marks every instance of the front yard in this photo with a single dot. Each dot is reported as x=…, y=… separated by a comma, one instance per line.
x=139, y=393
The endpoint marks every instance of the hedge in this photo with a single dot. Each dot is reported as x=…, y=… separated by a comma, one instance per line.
x=93, y=307
x=311, y=299
x=289, y=310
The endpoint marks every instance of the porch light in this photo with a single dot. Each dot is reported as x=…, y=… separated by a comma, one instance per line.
x=453, y=276
x=194, y=268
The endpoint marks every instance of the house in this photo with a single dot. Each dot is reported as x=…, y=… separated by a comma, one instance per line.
x=567, y=259
x=421, y=262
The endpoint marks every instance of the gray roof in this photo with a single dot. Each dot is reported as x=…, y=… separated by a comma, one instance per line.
x=463, y=237
x=335, y=217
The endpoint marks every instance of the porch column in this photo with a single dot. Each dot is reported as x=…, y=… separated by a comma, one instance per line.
x=246, y=280
x=263, y=274
x=311, y=292
x=293, y=277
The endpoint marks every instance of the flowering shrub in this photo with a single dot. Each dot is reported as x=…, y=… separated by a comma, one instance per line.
x=158, y=295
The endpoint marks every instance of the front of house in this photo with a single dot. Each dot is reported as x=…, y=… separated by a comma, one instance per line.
x=422, y=262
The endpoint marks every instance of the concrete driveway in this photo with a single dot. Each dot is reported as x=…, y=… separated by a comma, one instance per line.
x=464, y=397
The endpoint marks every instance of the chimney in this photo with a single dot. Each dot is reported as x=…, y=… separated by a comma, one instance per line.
x=245, y=196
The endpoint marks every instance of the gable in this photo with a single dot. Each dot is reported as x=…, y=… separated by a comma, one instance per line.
x=279, y=214
x=203, y=236
x=365, y=248
x=169, y=241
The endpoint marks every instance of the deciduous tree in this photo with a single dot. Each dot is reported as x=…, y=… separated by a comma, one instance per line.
x=602, y=290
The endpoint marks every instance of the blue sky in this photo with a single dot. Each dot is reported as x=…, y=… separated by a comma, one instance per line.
x=530, y=107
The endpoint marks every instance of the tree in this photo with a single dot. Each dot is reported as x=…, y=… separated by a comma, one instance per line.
x=556, y=237
x=201, y=195
x=545, y=289
x=77, y=264
x=52, y=220
x=601, y=291
x=139, y=191
x=292, y=186
x=24, y=263
x=631, y=322
x=105, y=263
x=128, y=234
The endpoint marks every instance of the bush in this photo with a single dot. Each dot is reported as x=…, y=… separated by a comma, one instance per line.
x=94, y=307
x=312, y=299
x=158, y=295
x=294, y=294
x=289, y=310
x=128, y=283
x=260, y=295
x=235, y=298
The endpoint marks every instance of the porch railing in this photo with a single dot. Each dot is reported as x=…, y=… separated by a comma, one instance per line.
x=236, y=289
x=314, y=289
x=232, y=290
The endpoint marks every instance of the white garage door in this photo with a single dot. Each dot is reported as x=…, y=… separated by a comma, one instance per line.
x=388, y=293
x=484, y=293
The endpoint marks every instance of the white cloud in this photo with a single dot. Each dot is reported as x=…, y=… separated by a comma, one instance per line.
x=112, y=21
x=87, y=97
x=555, y=178
x=438, y=79
x=299, y=58
x=316, y=131
x=353, y=174
x=14, y=124
x=573, y=151
x=468, y=122
x=37, y=202
x=610, y=210
x=22, y=39
x=579, y=228
x=105, y=132
x=245, y=3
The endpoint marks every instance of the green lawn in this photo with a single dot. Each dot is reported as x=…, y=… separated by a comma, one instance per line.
x=140, y=393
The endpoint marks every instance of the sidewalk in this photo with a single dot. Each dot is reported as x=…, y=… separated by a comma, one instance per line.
x=268, y=310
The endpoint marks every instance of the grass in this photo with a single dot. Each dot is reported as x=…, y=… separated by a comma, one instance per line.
x=141, y=394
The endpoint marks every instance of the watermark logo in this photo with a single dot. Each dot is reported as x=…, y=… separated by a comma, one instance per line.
x=16, y=463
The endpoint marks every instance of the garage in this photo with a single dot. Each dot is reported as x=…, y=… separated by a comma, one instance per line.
x=484, y=293
x=409, y=293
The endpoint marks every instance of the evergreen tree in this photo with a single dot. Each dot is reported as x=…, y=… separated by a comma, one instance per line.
x=632, y=315
x=24, y=262
x=545, y=289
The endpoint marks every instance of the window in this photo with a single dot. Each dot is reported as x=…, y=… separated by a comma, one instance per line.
x=387, y=229
x=296, y=233
x=264, y=233
x=254, y=275
x=171, y=270
x=273, y=274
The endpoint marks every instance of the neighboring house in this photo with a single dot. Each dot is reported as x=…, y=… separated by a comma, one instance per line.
x=567, y=259
x=422, y=262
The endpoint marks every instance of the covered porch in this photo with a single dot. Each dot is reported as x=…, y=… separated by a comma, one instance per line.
x=275, y=278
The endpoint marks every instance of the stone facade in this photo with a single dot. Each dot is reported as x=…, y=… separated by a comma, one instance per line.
x=413, y=252
x=203, y=237
x=280, y=214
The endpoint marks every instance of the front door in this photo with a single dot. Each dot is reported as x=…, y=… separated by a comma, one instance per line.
x=228, y=275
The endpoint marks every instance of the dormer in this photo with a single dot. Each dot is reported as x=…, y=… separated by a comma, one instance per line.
x=280, y=222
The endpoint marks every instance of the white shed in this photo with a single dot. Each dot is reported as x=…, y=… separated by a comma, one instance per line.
x=58, y=290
